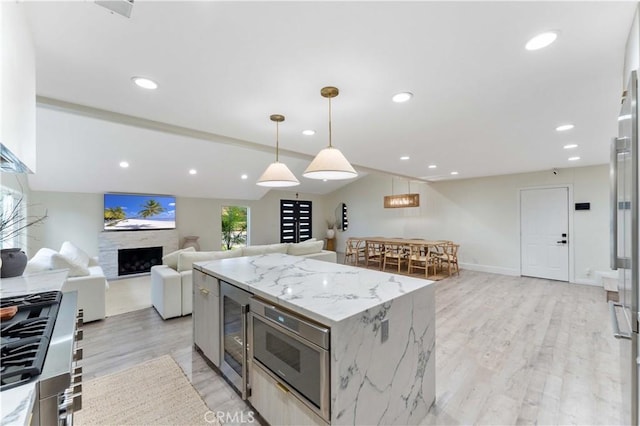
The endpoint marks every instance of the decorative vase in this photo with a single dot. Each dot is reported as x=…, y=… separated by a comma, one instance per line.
x=191, y=241
x=331, y=233
x=14, y=261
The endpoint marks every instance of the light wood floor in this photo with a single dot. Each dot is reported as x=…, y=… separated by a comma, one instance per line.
x=509, y=350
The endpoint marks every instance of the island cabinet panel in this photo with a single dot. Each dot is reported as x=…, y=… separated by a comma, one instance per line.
x=276, y=404
x=390, y=347
x=206, y=315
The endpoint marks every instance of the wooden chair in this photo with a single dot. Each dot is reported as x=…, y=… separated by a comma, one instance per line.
x=375, y=252
x=449, y=256
x=355, y=251
x=395, y=255
x=420, y=258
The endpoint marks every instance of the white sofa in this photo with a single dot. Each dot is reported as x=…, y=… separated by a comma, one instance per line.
x=172, y=283
x=85, y=276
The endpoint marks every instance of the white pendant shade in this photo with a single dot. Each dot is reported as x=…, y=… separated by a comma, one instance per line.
x=278, y=175
x=330, y=164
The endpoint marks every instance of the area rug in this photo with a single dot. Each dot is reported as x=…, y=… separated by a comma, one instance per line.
x=153, y=393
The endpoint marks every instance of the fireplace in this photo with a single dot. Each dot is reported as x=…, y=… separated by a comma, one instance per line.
x=138, y=260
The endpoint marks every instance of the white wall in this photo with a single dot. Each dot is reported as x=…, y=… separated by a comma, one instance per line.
x=481, y=215
x=632, y=50
x=77, y=217
x=17, y=85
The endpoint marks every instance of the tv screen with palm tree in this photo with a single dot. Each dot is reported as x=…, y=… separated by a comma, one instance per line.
x=135, y=212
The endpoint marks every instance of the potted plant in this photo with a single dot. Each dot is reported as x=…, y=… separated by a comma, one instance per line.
x=14, y=221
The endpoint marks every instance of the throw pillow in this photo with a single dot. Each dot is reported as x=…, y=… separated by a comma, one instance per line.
x=306, y=247
x=75, y=254
x=62, y=262
x=171, y=259
x=186, y=259
x=40, y=262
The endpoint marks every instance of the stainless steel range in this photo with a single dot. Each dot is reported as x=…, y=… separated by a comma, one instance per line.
x=39, y=344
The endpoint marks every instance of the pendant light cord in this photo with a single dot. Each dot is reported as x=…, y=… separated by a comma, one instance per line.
x=330, y=146
x=277, y=140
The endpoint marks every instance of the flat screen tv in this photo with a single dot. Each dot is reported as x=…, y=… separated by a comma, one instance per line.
x=137, y=212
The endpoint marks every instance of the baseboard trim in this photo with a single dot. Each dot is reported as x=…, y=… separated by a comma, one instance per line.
x=586, y=281
x=491, y=269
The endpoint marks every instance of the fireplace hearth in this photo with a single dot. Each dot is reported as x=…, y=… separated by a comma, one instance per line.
x=138, y=260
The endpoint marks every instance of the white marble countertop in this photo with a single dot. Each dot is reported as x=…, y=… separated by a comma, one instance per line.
x=17, y=404
x=324, y=291
x=36, y=283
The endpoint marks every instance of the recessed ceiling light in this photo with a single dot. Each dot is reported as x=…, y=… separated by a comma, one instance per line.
x=244, y=177
x=624, y=117
x=541, y=40
x=309, y=132
x=432, y=166
x=405, y=157
x=570, y=146
x=454, y=173
x=402, y=97
x=564, y=127
x=145, y=83
x=324, y=180
x=574, y=158
x=124, y=164
x=193, y=171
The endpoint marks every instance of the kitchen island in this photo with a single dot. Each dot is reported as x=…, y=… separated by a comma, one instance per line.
x=382, y=333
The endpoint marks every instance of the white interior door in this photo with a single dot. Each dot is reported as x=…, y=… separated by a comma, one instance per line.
x=544, y=233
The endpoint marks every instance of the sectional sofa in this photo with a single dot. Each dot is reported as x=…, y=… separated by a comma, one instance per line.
x=172, y=282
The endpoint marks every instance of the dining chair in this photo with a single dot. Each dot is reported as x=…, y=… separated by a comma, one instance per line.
x=355, y=251
x=375, y=252
x=395, y=255
x=449, y=256
x=420, y=258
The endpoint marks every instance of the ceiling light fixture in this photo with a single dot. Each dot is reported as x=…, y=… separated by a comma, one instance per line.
x=401, y=200
x=574, y=158
x=145, y=83
x=432, y=166
x=405, y=157
x=330, y=163
x=277, y=174
x=244, y=177
x=541, y=40
x=454, y=173
x=193, y=171
x=402, y=97
x=570, y=146
x=309, y=132
x=564, y=127
x=124, y=164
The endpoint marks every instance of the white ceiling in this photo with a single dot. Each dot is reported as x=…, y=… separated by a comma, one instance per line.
x=483, y=105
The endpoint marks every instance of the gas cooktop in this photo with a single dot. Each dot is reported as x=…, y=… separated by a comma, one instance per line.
x=25, y=337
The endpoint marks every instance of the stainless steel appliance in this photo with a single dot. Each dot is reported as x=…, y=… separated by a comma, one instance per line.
x=39, y=345
x=624, y=246
x=293, y=350
x=234, y=306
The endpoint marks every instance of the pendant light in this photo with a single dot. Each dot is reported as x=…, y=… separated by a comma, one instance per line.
x=330, y=164
x=277, y=174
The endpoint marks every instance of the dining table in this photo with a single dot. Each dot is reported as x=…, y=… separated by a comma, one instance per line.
x=434, y=245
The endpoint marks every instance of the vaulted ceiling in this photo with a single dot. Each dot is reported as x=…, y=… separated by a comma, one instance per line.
x=482, y=104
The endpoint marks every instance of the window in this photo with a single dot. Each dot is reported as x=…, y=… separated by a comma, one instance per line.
x=295, y=221
x=234, y=227
x=12, y=211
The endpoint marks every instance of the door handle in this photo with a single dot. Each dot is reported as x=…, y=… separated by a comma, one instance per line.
x=562, y=242
x=618, y=146
x=614, y=322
